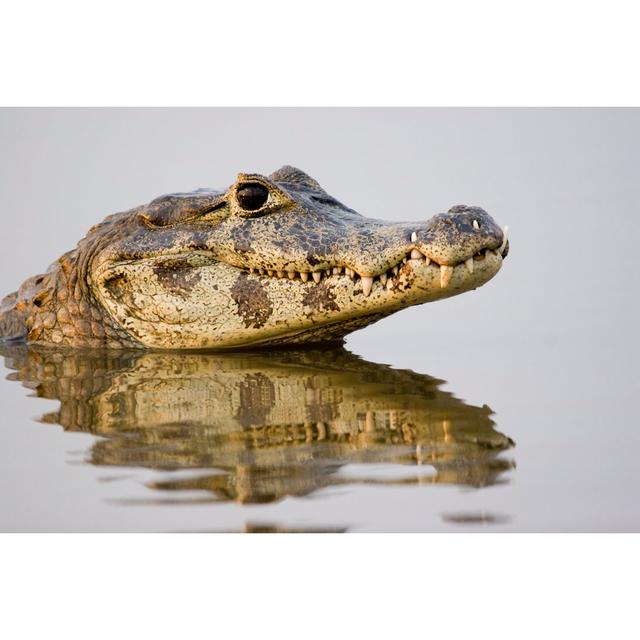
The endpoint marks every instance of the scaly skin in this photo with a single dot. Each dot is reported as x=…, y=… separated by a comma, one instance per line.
x=270, y=261
x=267, y=424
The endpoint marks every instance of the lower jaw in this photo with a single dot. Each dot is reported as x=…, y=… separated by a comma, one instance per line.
x=415, y=284
x=419, y=283
x=325, y=333
x=298, y=312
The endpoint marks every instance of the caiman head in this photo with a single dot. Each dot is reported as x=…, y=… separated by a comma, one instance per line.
x=271, y=260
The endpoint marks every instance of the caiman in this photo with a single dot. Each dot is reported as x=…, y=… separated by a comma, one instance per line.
x=270, y=261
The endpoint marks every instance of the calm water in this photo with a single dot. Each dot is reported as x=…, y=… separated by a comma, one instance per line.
x=512, y=408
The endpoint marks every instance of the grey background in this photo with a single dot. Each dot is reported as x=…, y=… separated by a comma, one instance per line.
x=551, y=344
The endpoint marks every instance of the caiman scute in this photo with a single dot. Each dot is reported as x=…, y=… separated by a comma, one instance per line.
x=271, y=260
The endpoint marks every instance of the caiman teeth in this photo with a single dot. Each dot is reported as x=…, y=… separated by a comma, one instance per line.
x=476, y=226
x=367, y=284
x=387, y=279
x=469, y=264
x=446, y=273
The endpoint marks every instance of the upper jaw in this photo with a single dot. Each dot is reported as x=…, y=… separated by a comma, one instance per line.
x=463, y=236
x=371, y=247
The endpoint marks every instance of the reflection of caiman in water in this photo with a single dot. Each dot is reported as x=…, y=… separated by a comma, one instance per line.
x=269, y=424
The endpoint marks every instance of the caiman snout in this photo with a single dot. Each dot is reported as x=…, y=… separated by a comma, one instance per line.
x=461, y=233
x=461, y=236
x=464, y=235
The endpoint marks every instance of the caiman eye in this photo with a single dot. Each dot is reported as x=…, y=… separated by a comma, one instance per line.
x=252, y=196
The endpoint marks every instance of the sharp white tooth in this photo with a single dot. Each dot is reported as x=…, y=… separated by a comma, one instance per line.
x=349, y=272
x=505, y=233
x=250, y=269
x=395, y=270
x=367, y=283
x=317, y=275
x=304, y=275
x=336, y=271
x=291, y=274
x=416, y=255
x=389, y=284
x=446, y=273
x=476, y=225
x=327, y=272
x=383, y=278
x=404, y=260
x=280, y=274
x=262, y=272
x=269, y=272
x=427, y=260
x=469, y=264
x=414, y=237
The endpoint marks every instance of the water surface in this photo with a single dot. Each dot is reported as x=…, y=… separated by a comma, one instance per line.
x=261, y=428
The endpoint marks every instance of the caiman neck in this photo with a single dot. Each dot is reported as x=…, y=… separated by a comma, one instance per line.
x=58, y=308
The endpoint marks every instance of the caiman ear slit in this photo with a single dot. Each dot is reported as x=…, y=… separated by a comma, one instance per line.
x=175, y=208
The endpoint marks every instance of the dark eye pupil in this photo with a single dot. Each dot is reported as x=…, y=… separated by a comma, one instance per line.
x=252, y=196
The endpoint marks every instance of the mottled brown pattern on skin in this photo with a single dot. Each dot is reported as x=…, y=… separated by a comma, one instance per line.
x=116, y=286
x=241, y=242
x=254, y=305
x=320, y=298
x=197, y=270
x=177, y=277
x=334, y=332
